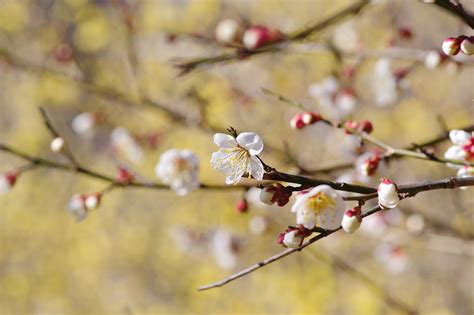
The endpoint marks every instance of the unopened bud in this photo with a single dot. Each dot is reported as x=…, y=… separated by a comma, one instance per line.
x=241, y=206
x=228, y=31
x=351, y=220
x=310, y=118
x=405, y=32
x=258, y=36
x=297, y=122
x=57, y=145
x=124, y=177
x=451, y=46
x=92, y=201
x=63, y=53
x=467, y=45
x=7, y=181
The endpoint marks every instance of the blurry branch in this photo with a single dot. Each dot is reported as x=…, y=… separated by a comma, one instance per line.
x=116, y=96
x=241, y=53
x=40, y=162
x=406, y=190
x=455, y=7
x=342, y=265
x=66, y=151
x=400, y=53
x=390, y=152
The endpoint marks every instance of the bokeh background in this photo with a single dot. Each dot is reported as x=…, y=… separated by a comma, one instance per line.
x=146, y=251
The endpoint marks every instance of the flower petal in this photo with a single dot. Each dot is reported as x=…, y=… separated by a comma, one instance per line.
x=255, y=168
x=224, y=141
x=251, y=142
x=455, y=153
x=459, y=137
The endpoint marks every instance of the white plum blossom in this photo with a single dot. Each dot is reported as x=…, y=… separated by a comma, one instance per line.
x=123, y=142
x=384, y=84
x=179, y=169
x=92, y=201
x=321, y=206
x=84, y=123
x=433, y=59
x=77, y=207
x=225, y=247
x=388, y=194
x=335, y=102
x=462, y=148
x=238, y=156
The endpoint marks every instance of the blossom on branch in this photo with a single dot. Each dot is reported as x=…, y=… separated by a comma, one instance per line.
x=179, y=169
x=57, y=144
x=238, y=156
x=388, y=194
x=462, y=148
x=275, y=194
x=351, y=220
x=228, y=31
x=321, y=206
x=293, y=237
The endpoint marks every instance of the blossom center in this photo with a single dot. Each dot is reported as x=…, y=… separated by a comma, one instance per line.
x=320, y=202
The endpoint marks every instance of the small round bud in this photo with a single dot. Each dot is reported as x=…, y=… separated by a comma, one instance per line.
x=228, y=31
x=293, y=237
x=467, y=45
x=433, y=59
x=266, y=195
x=124, y=177
x=310, y=118
x=241, y=206
x=405, y=32
x=366, y=126
x=351, y=220
x=451, y=46
x=297, y=122
x=258, y=36
x=57, y=145
x=92, y=201
x=63, y=53
x=7, y=181
x=388, y=194
x=350, y=127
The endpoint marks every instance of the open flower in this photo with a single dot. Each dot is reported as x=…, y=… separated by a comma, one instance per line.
x=321, y=206
x=388, y=194
x=179, y=169
x=462, y=148
x=238, y=156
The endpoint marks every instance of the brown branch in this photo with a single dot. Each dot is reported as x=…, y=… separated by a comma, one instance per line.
x=238, y=54
x=66, y=151
x=40, y=162
x=410, y=191
x=457, y=9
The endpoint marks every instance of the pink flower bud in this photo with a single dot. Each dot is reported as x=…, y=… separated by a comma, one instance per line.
x=228, y=31
x=405, y=32
x=297, y=122
x=351, y=220
x=258, y=36
x=467, y=45
x=293, y=237
x=350, y=127
x=369, y=166
x=388, y=194
x=7, y=181
x=77, y=207
x=366, y=126
x=275, y=194
x=451, y=46
x=124, y=177
x=310, y=118
x=63, y=53
x=241, y=206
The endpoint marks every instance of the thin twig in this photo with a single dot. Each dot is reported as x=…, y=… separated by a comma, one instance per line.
x=457, y=9
x=40, y=162
x=410, y=191
x=239, y=54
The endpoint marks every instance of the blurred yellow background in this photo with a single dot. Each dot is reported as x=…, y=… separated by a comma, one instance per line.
x=146, y=251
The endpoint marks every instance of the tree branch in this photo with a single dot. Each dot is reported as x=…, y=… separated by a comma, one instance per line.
x=457, y=9
x=410, y=191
